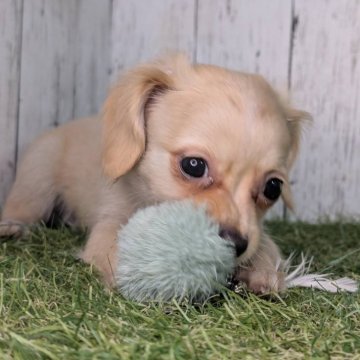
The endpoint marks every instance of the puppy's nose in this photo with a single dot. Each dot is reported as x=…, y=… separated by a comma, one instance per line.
x=231, y=234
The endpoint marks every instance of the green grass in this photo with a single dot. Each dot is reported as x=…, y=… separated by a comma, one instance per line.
x=53, y=307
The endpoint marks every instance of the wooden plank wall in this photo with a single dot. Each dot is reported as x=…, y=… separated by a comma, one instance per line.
x=325, y=78
x=60, y=57
x=54, y=66
x=10, y=46
x=144, y=30
x=64, y=59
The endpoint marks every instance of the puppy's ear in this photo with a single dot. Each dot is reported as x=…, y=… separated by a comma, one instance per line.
x=124, y=117
x=295, y=119
x=286, y=196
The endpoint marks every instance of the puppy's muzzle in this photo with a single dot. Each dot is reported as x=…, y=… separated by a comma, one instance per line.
x=240, y=242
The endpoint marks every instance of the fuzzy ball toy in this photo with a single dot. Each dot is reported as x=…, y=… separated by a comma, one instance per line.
x=173, y=251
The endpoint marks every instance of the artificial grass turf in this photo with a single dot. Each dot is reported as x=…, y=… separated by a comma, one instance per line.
x=52, y=306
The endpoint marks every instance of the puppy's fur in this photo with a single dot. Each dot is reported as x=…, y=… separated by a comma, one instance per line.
x=158, y=114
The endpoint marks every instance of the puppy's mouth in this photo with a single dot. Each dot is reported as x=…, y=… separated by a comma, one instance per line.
x=240, y=242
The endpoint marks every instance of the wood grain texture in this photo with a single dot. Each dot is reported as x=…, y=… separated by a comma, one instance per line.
x=145, y=29
x=65, y=57
x=92, y=56
x=10, y=43
x=252, y=36
x=326, y=81
x=244, y=35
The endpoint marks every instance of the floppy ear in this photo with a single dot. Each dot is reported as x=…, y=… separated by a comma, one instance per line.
x=286, y=196
x=295, y=120
x=124, y=117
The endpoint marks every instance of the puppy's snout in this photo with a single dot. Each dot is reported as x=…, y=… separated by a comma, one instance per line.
x=240, y=242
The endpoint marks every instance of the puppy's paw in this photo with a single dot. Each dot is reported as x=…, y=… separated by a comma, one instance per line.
x=261, y=282
x=102, y=264
x=15, y=229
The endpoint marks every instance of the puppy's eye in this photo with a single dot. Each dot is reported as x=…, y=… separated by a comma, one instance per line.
x=194, y=166
x=272, y=189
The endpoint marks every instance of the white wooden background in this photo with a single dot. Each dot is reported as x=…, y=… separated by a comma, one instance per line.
x=57, y=59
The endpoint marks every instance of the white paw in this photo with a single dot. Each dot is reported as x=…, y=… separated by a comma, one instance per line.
x=261, y=282
x=10, y=228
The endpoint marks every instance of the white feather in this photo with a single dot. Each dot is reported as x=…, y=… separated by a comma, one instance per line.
x=300, y=277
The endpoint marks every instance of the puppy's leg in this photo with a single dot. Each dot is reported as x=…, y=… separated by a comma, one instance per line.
x=33, y=194
x=263, y=274
x=101, y=250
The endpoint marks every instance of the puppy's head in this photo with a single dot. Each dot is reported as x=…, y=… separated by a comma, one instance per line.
x=219, y=137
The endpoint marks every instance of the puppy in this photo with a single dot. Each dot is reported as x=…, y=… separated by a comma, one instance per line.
x=168, y=130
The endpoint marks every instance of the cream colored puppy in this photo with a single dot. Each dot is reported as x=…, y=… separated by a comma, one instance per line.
x=169, y=130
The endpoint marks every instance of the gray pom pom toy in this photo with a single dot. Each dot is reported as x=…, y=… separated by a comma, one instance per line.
x=173, y=251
